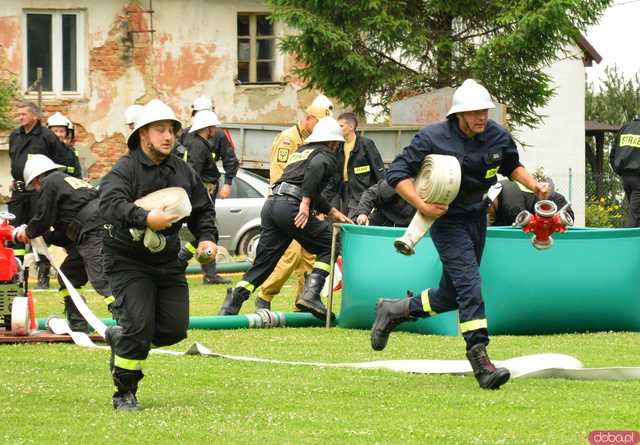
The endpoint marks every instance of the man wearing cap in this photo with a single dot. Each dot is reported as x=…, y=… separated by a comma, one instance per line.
x=29, y=139
x=62, y=127
x=295, y=258
x=483, y=149
x=287, y=215
x=148, y=279
x=69, y=205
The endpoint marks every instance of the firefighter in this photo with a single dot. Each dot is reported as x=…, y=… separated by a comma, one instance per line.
x=287, y=215
x=152, y=296
x=131, y=114
x=625, y=161
x=295, y=258
x=70, y=206
x=62, y=128
x=204, y=145
x=515, y=198
x=363, y=166
x=29, y=139
x=380, y=205
x=483, y=149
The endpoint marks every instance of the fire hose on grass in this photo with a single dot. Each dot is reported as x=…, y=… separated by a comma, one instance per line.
x=438, y=182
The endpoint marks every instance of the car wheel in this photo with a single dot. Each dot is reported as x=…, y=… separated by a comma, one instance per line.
x=249, y=243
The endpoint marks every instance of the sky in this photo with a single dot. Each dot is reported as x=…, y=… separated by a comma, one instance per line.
x=617, y=39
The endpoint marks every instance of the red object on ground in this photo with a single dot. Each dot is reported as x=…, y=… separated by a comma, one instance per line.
x=33, y=324
x=8, y=264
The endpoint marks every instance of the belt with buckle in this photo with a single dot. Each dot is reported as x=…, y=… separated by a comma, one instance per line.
x=286, y=189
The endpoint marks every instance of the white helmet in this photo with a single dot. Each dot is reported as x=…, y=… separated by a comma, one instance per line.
x=131, y=113
x=470, y=96
x=154, y=111
x=327, y=129
x=202, y=103
x=69, y=124
x=57, y=120
x=204, y=119
x=320, y=107
x=37, y=165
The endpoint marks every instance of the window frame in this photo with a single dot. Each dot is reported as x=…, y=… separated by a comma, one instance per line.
x=56, y=53
x=253, y=51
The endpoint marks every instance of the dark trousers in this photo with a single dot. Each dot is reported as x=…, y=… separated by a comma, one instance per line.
x=151, y=304
x=277, y=232
x=84, y=263
x=631, y=184
x=459, y=241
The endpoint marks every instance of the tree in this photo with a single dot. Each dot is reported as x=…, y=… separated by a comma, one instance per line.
x=374, y=51
x=8, y=91
x=616, y=101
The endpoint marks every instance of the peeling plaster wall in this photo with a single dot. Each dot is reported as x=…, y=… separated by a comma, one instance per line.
x=192, y=52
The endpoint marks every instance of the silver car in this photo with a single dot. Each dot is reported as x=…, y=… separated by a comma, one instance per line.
x=238, y=216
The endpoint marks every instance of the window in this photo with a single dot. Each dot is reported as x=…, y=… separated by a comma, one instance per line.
x=52, y=42
x=256, y=48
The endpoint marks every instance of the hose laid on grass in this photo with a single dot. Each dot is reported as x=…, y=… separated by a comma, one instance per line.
x=260, y=319
x=236, y=266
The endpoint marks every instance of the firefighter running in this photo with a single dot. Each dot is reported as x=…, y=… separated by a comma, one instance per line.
x=152, y=296
x=288, y=215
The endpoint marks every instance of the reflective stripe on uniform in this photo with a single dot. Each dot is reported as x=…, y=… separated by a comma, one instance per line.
x=108, y=300
x=630, y=140
x=322, y=266
x=185, y=155
x=362, y=169
x=248, y=286
x=65, y=292
x=19, y=252
x=190, y=247
x=473, y=325
x=125, y=363
x=491, y=172
x=426, y=305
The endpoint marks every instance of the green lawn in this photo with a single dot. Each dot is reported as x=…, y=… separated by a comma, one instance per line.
x=61, y=393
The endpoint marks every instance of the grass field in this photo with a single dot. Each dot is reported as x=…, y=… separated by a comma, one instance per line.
x=61, y=393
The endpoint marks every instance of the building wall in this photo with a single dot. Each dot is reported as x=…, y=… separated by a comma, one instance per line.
x=193, y=52
x=557, y=146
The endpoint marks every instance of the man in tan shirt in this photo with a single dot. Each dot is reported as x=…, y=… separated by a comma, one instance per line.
x=295, y=258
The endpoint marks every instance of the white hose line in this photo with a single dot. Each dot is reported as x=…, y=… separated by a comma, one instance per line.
x=438, y=182
x=539, y=365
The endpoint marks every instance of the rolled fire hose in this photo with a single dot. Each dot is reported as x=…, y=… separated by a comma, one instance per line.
x=174, y=201
x=438, y=182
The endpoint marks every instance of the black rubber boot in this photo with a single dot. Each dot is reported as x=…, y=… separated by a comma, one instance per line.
x=262, y=304
x=389, y=314
x=112, y=336
x=76, y=321
x=44, y=268
x=310, y=300
x=210, y=276
x=233, y=301
x=126, y=381
x=488, y=376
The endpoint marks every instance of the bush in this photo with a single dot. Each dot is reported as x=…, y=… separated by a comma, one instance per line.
x=602, y=214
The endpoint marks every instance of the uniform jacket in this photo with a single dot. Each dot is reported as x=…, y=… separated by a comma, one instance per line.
x=481, y=158
x=71, y=162
x=310, y=168
x=60, y=200
x=365, y=168
x=203, y=155
x=389, y=208
x=625, y=150
x=135, y=176
x=284, y=145
x=40, y=140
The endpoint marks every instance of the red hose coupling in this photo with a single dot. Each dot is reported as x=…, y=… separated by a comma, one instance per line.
x=546, y=221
